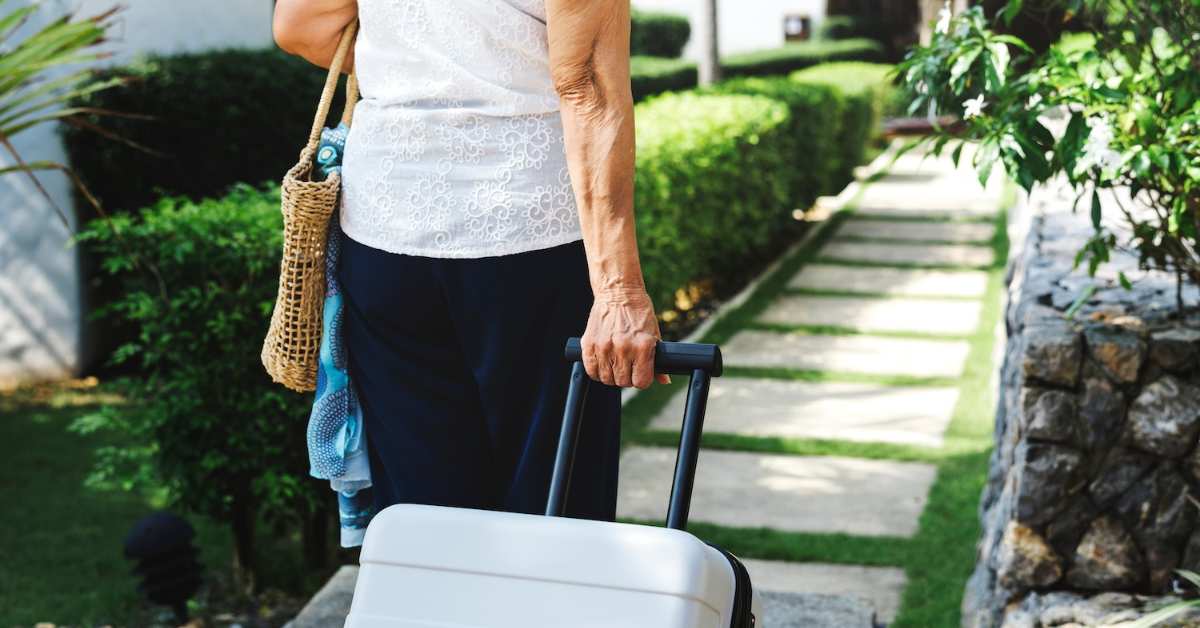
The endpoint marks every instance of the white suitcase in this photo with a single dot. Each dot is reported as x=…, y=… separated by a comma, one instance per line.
x=436, y=567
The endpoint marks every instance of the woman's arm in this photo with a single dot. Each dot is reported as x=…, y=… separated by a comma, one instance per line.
x=313, y=28
x=589, y=61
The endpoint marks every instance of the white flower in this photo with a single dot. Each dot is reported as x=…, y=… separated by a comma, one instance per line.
x=923, y=89
x=1095, y=149
x=1034, y=101
x=973, y=108
x=943, y=23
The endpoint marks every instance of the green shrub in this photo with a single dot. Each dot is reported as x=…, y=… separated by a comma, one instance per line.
x=864, y=88
x=709, y=186
x=221, y=117
x=797, y=56
x=224, y=439
x=839, y=27
x=658, y=34
x=654, y=75
x=810, y=136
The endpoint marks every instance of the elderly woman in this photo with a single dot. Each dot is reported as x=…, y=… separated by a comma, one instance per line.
x=488, y=207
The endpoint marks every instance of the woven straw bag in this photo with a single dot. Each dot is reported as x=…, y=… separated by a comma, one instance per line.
x=291, y=350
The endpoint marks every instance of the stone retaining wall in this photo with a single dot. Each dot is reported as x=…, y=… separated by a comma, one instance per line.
x=1091, y=502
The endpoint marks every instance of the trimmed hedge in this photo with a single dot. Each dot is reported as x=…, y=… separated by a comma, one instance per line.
x=863, y=88
x=709, y=186
x=220, y=117
x=652, y=76
x=811, y=134
x=800, y=55
x=658, y=34
x=839, y=27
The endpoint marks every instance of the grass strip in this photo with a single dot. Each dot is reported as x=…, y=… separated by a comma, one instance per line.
x=768, y=544
x=797, y=446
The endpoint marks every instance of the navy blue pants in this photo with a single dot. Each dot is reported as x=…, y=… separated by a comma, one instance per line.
x=460, y=372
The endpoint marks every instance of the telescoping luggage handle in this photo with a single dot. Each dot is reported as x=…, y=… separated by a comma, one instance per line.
x=701, y=362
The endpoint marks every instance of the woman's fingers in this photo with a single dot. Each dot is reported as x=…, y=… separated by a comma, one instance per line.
x=618, y=347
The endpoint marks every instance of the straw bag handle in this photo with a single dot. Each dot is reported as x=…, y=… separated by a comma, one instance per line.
x=331, y=81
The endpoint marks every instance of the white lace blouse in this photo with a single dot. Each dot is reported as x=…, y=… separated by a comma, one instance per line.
x=456, y=150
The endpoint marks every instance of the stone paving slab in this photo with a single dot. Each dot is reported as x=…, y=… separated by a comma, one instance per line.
x=330, y=606
x=824, y=410
x=914, y=230
x=917, y=254
x=871, y=355
x=872, y=314
x=820, y=494
x=794, y=610
x=892, y=281
x=883, y=586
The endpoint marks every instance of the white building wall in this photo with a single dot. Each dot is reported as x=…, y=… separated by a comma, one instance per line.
x=742, y=25
x=41, y=318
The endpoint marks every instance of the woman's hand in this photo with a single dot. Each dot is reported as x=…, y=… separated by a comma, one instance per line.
x=313, y=28
x=618, y=346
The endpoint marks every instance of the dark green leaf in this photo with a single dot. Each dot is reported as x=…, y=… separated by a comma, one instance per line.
x=1096, y=208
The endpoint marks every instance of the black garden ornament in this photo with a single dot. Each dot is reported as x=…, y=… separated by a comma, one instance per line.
x=162, y=545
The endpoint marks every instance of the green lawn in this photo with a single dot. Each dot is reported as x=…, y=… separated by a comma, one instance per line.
x=60, y=543
x=940, y=557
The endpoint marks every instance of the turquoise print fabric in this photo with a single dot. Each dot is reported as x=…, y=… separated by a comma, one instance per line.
x=336, y=441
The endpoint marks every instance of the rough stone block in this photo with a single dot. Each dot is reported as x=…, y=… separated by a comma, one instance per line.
x=1175, y=349
x=1026, y=560
x=1048, y=477
x=1165, y=417
x=1049, y=416
x=1102, y=408
x=1156, y=508
x=1065, y=531
x=1119, y=352
x=1052, y=355
x=1107, y=558
x=1119, y=470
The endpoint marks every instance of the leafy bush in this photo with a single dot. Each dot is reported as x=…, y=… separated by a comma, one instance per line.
x=654, y=75
x=221, y=117
x=839, y=27
x=709, y=185
x=811, y=133
x=224, y=439
x=864, y=88
x=658, y=34
x=797, y=56
x=1125, y=92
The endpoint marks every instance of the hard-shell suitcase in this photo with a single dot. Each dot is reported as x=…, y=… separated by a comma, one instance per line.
x=427, y=566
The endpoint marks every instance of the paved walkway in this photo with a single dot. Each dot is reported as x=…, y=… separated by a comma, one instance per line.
x=866, y=344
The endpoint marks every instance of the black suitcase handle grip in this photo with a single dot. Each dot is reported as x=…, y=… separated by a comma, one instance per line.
x=702, y=363
x=674, y=358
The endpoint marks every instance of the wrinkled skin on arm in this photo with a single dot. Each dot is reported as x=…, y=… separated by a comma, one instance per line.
x=313, y=28
x=589, y=62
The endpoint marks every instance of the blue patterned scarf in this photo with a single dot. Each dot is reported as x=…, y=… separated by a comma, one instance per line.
x=336, y=440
